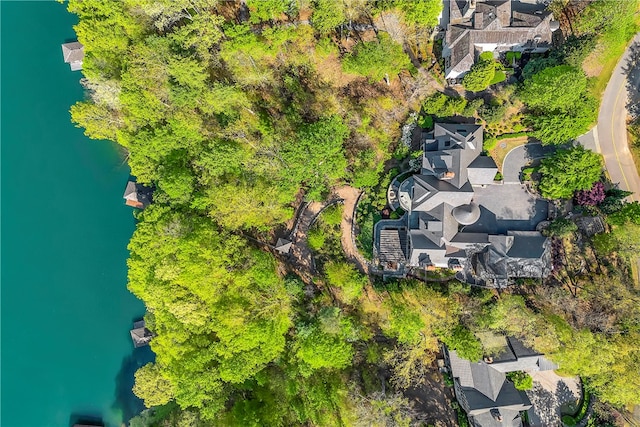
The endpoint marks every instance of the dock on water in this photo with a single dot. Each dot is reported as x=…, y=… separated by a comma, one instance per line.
x=73, y=54
x=140, y=335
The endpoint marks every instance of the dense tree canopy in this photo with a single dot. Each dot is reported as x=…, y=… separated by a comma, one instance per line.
x=559, y=103
x=554, y=89
x=481, y=73
x=377, y=59
x=569, y=170
x=239, y=112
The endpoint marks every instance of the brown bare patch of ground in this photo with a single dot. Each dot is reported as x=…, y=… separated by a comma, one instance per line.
x=592, y=64
x=305, y=14
x=391, y=23
x=432, y=400
x=330, y=70
x=503, y=147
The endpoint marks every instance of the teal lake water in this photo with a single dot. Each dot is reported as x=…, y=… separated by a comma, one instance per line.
x=66, y=311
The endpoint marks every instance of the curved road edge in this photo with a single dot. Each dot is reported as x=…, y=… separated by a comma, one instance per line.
x=612, y=129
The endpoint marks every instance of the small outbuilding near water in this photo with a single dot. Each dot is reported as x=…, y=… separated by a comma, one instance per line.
x=73, y=54
x=140, y=335
x=137, y=195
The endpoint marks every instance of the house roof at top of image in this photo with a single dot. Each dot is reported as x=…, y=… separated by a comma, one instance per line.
x=492, y=22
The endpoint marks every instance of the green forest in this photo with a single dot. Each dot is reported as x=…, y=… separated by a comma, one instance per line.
x=238, y=113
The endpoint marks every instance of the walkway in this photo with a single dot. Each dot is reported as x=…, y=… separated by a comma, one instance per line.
x=612, y=124
x=300, y=251
x=350, y=197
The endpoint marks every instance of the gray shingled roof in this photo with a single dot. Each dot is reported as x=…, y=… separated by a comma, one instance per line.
x=482, y=171
x=494, y=22
x=73, y=54
x=140, y=335
x=466, y=214
x=283, y=246
x=526, y=244
x=510, y=418
x=391, y=246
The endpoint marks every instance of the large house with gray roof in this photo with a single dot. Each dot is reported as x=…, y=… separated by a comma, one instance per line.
x=476, y=26
x=438, y=204
x=483, y=390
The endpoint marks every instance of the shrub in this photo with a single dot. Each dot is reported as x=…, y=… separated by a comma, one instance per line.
x=567, y=171
x=526, y=173
x=521, y=380
x=511, y=55
x=426, y=121
x=345, y=277
x=377, y=58
x=316, y=238
x=592, y=197
x=498, y=177
x=561, y=227
x=480, y=75
x=441, y=105
x=492, y=113
x=465, y=343
x=489, y=144
x=472, y=107
x=498, y=77
x=568, y=420
x=613, y=201
x=332, y=215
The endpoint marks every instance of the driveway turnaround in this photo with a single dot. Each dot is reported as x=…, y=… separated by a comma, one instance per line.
x=521, y=157
x=612, y=126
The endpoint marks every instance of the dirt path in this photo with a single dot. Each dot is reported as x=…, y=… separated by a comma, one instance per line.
x=350, y=197
x=303, y=256
x=300, y=249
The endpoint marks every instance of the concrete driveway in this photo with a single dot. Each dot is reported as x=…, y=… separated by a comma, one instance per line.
x=552, y=396
x=612, y=123
x=507, y=207
x=520, y=157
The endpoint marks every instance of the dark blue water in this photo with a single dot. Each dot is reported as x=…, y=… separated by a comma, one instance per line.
x=66, y=312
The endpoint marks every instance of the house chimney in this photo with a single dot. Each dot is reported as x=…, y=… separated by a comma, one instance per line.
x=478, y=20
x=495, y=413
x=448, y=175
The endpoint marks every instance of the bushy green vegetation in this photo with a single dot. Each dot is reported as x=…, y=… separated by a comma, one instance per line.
x=234, y=118
x=483, y=73
x=559, y=103
x=378, y=59
x=569, y=170
x=521, y=380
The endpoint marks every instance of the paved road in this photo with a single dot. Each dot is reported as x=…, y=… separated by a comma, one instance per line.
x=612, y=129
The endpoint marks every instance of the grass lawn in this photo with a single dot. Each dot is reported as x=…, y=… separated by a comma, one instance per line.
x=634, y=147
x=600, y=63
x=635, y=271
x=503, y=147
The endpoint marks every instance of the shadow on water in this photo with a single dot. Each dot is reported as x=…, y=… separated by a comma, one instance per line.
x=125, y=401
x=93, y=419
